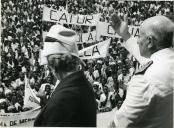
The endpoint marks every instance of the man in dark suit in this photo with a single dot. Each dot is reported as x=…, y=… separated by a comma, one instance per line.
x=72, y=103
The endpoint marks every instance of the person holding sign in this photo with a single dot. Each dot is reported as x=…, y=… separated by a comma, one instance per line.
x=149, y=99
x=72, y=104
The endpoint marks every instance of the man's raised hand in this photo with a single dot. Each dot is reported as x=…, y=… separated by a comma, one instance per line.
x=120, y=27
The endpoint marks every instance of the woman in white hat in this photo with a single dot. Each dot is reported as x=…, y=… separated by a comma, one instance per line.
x=72, y=103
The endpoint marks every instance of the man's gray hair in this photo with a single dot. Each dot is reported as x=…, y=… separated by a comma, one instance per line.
x=164, y=32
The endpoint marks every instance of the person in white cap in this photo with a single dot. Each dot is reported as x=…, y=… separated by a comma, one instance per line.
x=149, y=99
x=3, y=105
x=72, y=104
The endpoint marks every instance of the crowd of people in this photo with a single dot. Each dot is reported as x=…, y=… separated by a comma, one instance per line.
x=21, y=41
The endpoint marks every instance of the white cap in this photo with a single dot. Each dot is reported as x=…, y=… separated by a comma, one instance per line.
x=8, y=91
x=97, y=83
x=66, y=41
x=112, y=63
x=2, y=100
x=99, y=61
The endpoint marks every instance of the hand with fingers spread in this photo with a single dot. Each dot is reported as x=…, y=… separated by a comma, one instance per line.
x=120, y=27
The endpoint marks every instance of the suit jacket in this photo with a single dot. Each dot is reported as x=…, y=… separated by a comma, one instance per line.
x=72, y=104
x=149, y=99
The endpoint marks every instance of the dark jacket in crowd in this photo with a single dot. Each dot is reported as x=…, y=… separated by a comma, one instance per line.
x=72, y=104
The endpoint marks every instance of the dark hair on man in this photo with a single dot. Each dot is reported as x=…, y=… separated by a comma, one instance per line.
x=65, y=62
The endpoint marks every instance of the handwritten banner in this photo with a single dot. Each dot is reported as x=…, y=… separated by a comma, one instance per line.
x=81, y=37
x=105, y=29
x=99, y=50
x=86, y=37
x=30, y=99
x=52, y=15
x=16, y=119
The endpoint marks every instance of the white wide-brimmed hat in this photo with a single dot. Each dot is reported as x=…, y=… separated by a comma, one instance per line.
x=60, y=40
x=64, y=41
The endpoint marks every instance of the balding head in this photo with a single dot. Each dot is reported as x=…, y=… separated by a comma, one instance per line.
x=161, y=28
x=159, y=31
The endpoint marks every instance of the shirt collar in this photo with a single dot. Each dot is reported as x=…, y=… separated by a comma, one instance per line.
x=57, y=82
x=159, y=54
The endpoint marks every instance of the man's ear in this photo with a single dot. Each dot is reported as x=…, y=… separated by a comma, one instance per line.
x=151, y=42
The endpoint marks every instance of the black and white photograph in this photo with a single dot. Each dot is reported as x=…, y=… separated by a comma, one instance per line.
x=87, y=63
